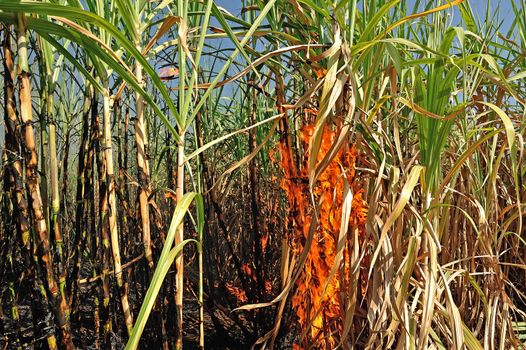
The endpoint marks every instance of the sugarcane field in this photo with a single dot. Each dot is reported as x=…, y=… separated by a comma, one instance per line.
x=263, y=174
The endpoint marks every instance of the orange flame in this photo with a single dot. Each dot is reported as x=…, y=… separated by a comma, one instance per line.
x=239, y=293
x=170, y=195
x=321, y=311
x=248, y=271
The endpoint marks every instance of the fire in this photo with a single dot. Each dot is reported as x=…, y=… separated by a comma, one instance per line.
x=170, y=195
x=239, y=293
x=322, y=313
x=248, y=271
x=268, y=286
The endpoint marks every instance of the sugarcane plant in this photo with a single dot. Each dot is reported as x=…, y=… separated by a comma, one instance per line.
x=305, y=174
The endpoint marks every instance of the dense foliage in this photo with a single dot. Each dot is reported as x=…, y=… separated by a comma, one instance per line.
x=290, y=174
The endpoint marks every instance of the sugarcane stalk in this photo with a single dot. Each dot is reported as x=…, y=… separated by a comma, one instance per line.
x=81, y=197
x=141, y=139
x=13, y=143
x=14, y=171
x=179, y=261
x=112, y=210
x=33, y=187
x=103, y=255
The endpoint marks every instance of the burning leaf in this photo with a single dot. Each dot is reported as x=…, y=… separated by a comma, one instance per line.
x=317, y=299
x=268, y=287
x=320, y=73
x=239, y=293
x=170, y=195
x=247, y=270
x=264, y=241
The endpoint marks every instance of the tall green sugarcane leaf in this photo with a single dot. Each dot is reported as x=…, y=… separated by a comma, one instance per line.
x=75, y=14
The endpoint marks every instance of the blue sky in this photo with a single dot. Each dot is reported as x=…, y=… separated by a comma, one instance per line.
x=478, y=6
x=504, y=6
x=501, y=8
